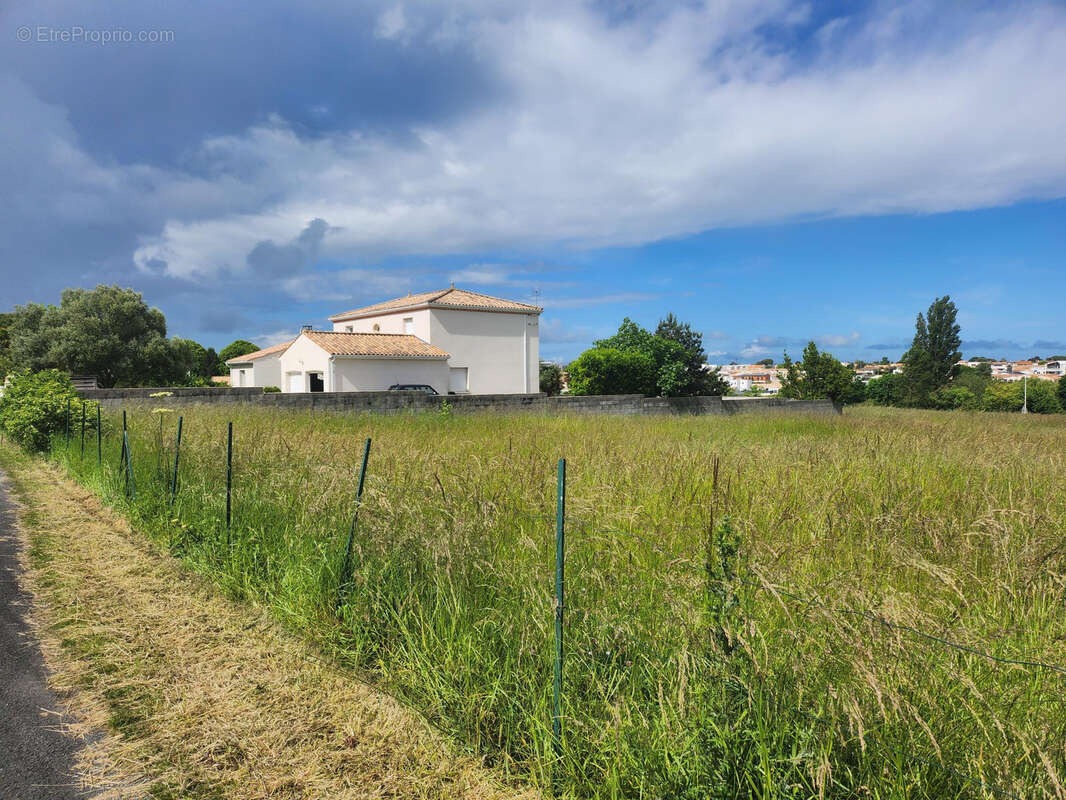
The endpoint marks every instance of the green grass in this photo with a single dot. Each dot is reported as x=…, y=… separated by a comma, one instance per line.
x=681, y=680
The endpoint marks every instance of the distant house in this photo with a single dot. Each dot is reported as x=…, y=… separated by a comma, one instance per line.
x=261, y=368
x=453, y=340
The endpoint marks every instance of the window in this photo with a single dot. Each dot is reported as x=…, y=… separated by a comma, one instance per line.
x=409, y=325
x=458, y=379
x=349, y=328
x=376, y=327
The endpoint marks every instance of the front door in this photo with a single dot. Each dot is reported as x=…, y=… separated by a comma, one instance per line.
x=317, y=384
x=296, y=382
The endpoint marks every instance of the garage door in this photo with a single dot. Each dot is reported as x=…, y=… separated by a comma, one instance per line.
x=296, y=382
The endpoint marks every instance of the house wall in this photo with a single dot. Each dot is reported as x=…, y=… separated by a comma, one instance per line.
x=235, y=375
x=263, y=371
x=378, y=374
x=500, y=351
x=389, y=322
x=303, y=356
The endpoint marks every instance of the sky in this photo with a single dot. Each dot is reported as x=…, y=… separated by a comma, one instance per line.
x=770, y=171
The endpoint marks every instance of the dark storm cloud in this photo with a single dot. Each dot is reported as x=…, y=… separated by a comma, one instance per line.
x=270, y=260
x=231, y=65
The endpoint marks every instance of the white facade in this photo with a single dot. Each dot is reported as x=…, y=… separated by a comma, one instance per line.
x=491, y=352
x=305, y=363
x=261, y=371
x=453, y=340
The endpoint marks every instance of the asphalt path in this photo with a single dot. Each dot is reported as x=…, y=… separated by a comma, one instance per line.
x=35, y=758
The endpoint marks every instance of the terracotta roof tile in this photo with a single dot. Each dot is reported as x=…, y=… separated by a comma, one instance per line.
x=266, y=351
x=383, y=345
x=446, y=298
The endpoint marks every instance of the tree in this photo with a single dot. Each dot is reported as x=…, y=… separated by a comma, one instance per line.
x=694, y=379
x=106, y=332
x=608, y=370
x=766, y=362
x=551, y=378
x=974, y=379
x=819, y=375
x=241, y=347
x=675, y=352
x=887, y=390
x=6, y=361
x=931, y=360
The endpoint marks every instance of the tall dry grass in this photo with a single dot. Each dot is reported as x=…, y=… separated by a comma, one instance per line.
x=691, y=670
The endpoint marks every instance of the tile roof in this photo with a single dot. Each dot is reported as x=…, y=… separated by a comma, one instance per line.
x=445, y=298
x=382, y=345
x=266, y=351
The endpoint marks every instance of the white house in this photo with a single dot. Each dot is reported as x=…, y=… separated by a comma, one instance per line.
x=261, y=368
x=453, y=340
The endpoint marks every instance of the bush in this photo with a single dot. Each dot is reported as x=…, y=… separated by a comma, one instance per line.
x=34, y=407
x=886, y=390
x=551, y=378
x=606, y=370
x=952, y=397
x=270, y=389
x=1003, y=396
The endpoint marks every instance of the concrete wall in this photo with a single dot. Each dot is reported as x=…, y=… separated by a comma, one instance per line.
x=378, y=374
x=399, y=401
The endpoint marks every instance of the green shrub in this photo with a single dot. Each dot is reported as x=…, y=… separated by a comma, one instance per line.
x=951, y=397
x=34, y=407
x=1003, y=396
x=270, y=389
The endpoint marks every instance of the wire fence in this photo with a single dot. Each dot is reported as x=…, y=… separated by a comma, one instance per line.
x=562, y=522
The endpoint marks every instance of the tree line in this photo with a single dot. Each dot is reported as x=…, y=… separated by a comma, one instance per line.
x=112, y=334
x=671, y=362
x=932, y=376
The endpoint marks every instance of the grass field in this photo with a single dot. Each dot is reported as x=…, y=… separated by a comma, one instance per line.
x=694, y=667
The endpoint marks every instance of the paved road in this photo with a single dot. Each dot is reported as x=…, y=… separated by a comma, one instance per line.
x=35, y=759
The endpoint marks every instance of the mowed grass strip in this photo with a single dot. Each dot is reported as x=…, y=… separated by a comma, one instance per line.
x=204, y=698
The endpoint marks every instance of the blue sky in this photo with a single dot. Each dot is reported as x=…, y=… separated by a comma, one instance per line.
x=770, y=171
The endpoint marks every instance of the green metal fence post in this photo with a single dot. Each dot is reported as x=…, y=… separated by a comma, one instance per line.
x=560, y=554
x=99, y=441
x=82, y=430
x=355, y=522
x=229, y=470
x=177, y=455
x=122, y=457
x=132, y=486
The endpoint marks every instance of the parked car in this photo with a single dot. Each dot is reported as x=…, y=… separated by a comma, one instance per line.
x=412, y=387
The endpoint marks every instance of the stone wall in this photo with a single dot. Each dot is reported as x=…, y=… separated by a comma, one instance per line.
x=386, y=402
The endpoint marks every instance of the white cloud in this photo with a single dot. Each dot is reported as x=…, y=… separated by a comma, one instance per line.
x=392, y=23
x=600, y=299
x=623, y=131
x=837, y=340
